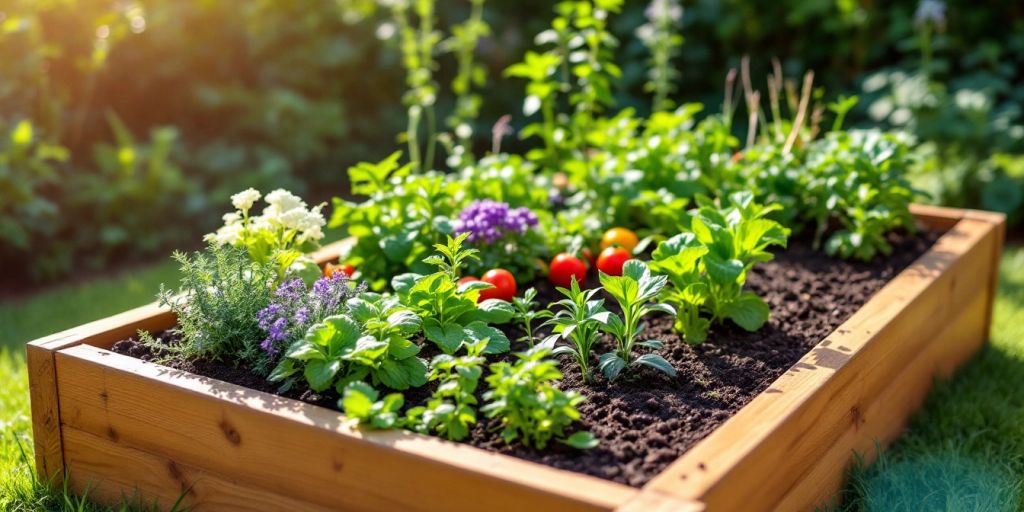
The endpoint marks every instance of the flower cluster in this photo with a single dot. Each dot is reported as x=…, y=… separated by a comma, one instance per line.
x=488, y=221
x=286, y=218
x=295, y=307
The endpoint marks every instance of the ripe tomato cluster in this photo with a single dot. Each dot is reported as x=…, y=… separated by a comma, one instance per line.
x=617, y=246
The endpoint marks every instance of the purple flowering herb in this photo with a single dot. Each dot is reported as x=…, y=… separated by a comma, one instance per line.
x=487, y=221
x=295, y=307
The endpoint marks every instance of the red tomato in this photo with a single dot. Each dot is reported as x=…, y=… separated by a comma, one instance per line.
x=504, y=285
x=331, y=268
x=611, y=260
x=468, y=279
x=621, y=237
x=564, y=267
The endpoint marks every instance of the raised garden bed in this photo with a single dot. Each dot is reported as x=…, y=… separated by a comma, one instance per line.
x=120, y=424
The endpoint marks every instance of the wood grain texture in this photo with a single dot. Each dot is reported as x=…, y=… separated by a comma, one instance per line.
x=299, y=450
x=110, y=472
x=796, y=428
x=46, y=431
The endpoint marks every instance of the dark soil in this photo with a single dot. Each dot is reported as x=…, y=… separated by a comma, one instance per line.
x=645, y=420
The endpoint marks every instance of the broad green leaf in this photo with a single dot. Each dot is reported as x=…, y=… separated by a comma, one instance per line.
x=358, y=400
x=286, y=368
x=448, y=337
x=611, y=365
x=405, y=321
x=319, y=374
x=497, y=342
x=403, y=283
x=723, y=271
x=491, y=311
x=401, y=348
x=400, y=375
x=304, y=350
x=748, y=311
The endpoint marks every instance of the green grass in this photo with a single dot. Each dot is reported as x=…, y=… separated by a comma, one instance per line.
x=965, y=448
x=964, y=451
x=45, y=313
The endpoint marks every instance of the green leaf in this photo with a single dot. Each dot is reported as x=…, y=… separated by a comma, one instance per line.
x=497, y=342
x=748, y=311
x=304, y=350
x=582, y=441
x=448, y=337
x=723, y=271
x=401, y=348
x=657, y=362
x=358, y=400
x=403, y=283
x=491, y=311
x=333, y=334
x=405, y=321
x=286, y=368
x=611, y=365
x=319, y=374
x=400, y=375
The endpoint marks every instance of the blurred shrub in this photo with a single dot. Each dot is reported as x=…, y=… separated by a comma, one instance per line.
x=266, y=93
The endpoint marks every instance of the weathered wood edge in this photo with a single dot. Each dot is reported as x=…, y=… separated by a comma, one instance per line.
x=697, y=488
x=589, y=492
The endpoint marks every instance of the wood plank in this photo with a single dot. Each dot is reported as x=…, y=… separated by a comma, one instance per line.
x=654, y=501
x=936, y=217
x=803, y=412
x=315, y=454
x=108, y=472
x=46, y=435
x=877, y=423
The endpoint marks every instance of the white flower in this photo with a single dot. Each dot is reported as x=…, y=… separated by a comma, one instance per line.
x=245, y=199
x=313, y=234
x=227, y=235
x=232, y=218
x=293, y=219
x=282, y=201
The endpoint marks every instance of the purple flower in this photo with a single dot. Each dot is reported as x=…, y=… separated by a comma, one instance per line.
x=487, y=221
x=296, y=307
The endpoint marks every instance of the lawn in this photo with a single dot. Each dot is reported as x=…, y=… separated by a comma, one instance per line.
x=965, y=450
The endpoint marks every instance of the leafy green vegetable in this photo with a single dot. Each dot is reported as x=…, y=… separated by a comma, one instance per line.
x=579, y=322
x=450, y=312
x=531, y=408
x=633, y=290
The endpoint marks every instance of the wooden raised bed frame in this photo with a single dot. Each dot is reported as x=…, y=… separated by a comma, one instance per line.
x=124, y=427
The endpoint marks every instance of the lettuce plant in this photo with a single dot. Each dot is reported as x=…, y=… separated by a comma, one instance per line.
x=372, y=341
x=450, y=312
x=451, y=409
x=531, y=408
x=633, y=290
x=579, y=322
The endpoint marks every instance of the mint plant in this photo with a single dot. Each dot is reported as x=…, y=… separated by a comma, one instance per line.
x=361, y=402
x=450, y=312
x=679, y=258
x=579, y=322
x=527, y=312
x=633, y=290
x=532, y=410
x=450, y=411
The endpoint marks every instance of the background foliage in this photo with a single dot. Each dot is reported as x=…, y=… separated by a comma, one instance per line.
x=122, y=122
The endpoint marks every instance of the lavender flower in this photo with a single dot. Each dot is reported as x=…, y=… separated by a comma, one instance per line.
x=487, y=221
x=294, y=307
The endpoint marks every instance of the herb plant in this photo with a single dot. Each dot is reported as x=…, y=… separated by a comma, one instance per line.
x=450, y=312
x=222, y=291
x=532, y=410
x=579, y=322
x=504, y=237
x=295, y=307
x=450, y=411
x=527, y=312
x=360, y=401
x=341, y=349
x=633, y=290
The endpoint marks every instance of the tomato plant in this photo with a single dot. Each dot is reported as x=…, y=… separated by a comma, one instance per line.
x=611, y=260
x=621, y=237
x=564, y=267
x=504, y=285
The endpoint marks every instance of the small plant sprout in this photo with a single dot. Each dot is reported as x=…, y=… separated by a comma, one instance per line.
x=633, y=290
x=578, y=322
x=450, y=411
x=527, y=313
x=531, y=408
